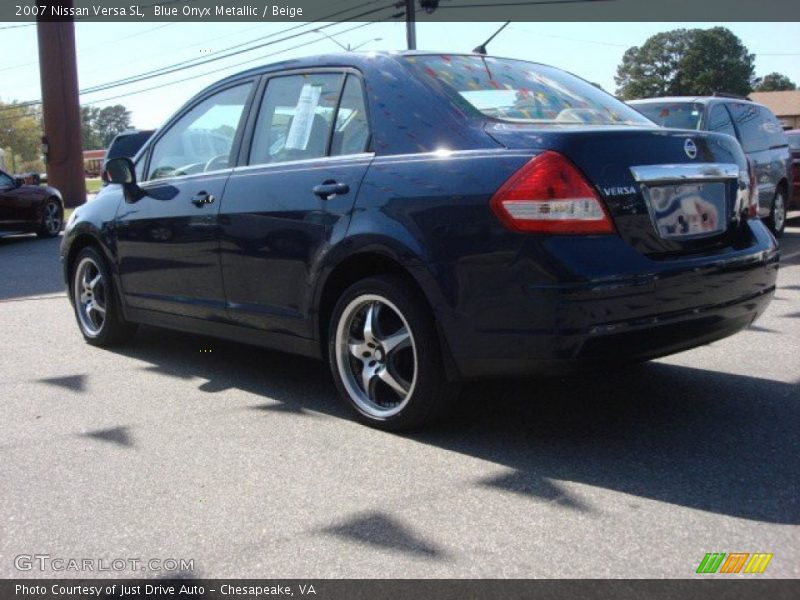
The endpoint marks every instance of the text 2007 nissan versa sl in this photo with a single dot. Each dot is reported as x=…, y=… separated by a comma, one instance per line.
x=419, y=219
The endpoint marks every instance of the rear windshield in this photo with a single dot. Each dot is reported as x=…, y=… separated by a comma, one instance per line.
x=128, y=145
x=673, y=115
x=794, y=141
x=515, y=90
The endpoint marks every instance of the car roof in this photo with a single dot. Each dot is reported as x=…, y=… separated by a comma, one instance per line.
x=356, y=59
x=694, y=99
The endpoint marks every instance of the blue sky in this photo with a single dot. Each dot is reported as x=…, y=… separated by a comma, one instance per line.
x=112, y=51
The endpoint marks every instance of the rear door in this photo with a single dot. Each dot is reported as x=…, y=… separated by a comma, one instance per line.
x=167, y=242
x=292, y=197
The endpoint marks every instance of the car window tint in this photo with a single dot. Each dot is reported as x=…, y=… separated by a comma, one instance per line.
x=201, y=140
x=295, y=117
x=720, y=121
x=751, y=124
x=6, y=181
x=351, y=134
x=515, y=90
x=774, y=130
x=673, y=115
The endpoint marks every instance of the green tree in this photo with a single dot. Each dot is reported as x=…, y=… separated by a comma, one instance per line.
x=112, y=120
x=774, y=82
x=90, y=140
x=20, y=134
x=686, y=62
x=100, y=125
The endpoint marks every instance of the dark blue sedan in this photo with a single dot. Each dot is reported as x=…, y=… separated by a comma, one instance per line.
x=418, y=220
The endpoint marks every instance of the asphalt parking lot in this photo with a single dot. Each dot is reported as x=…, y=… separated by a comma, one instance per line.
x=244, y=461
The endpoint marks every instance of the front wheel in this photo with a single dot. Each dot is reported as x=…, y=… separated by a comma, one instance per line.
x=52, y=219
x=777, y=214
x=385, y=356
x=97, y=310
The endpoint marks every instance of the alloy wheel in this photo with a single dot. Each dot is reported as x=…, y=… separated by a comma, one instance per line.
x=52, y=218
x=779, y=211
x=376, y=356
x=90, y=296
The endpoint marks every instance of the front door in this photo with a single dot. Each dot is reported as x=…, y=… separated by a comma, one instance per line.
x=168, y=242
x=279, y=213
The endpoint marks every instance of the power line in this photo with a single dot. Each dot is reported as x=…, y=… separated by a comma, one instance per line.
x=308, y=43
x=225, y=68
x=137, y=34
x=231, y=50
x=222, y=54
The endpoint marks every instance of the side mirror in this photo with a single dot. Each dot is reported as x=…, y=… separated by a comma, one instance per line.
x=19, y=181
x=121, y=170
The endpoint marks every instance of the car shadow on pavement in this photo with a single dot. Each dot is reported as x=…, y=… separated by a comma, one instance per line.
x=720, y=442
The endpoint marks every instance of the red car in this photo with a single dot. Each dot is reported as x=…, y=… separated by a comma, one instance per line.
x=29, y=208
x=794, y=146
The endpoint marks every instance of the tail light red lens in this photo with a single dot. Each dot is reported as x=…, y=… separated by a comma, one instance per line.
x=550, y=195
x=752, y=207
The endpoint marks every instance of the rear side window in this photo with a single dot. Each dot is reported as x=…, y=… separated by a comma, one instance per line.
x=515, y=90
x=720, y=121
x=758, y=128
x=351, y=134
x=673, y=115
x=794, y=141
x=295, y=118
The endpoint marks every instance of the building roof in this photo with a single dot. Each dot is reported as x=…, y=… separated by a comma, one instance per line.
x=90, y=154
x=783, y=104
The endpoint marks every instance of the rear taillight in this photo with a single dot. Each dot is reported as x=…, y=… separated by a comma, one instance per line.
x=550, y=195
x=752, y=205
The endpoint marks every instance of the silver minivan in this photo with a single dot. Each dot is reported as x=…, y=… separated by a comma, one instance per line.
x=758, y=131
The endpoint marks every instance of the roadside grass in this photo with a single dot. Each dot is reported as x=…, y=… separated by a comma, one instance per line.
x=93, y=185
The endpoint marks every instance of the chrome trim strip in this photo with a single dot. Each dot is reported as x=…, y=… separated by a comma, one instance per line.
x=311, y=162
x=693, y=172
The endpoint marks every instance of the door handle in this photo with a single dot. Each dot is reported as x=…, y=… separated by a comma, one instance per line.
x=202, y=199
x=330, y=188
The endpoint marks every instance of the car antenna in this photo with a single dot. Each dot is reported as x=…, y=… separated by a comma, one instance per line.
x=482, y=48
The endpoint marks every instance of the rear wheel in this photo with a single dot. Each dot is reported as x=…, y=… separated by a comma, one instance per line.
x=96, y=306
x=777, y=214
x=385, y=356
x=52, y=219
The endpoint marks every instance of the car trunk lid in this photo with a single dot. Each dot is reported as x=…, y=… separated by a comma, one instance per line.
x=668, y=191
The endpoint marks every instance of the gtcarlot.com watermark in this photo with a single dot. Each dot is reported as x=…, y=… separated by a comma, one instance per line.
x=58, y=564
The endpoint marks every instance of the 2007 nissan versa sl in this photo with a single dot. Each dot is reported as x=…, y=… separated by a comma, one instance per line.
x=419, y=219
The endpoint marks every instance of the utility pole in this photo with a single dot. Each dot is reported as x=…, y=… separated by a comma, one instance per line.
x=411, y=25
x=61, y=113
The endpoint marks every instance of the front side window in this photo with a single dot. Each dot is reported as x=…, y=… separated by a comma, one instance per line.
x=295, y=119
x=202, y=139
x=519, y=91
x=720, y=121
x=672, y=115
x=6, y=181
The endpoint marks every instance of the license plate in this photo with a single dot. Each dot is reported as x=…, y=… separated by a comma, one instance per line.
x=687, y=210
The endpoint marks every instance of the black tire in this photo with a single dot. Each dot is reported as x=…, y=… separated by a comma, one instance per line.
x=396, y=304
x=112, y=328
x=52, y=219
x=777, y=213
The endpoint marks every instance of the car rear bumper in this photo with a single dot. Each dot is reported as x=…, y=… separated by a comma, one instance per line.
x=531, y=327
